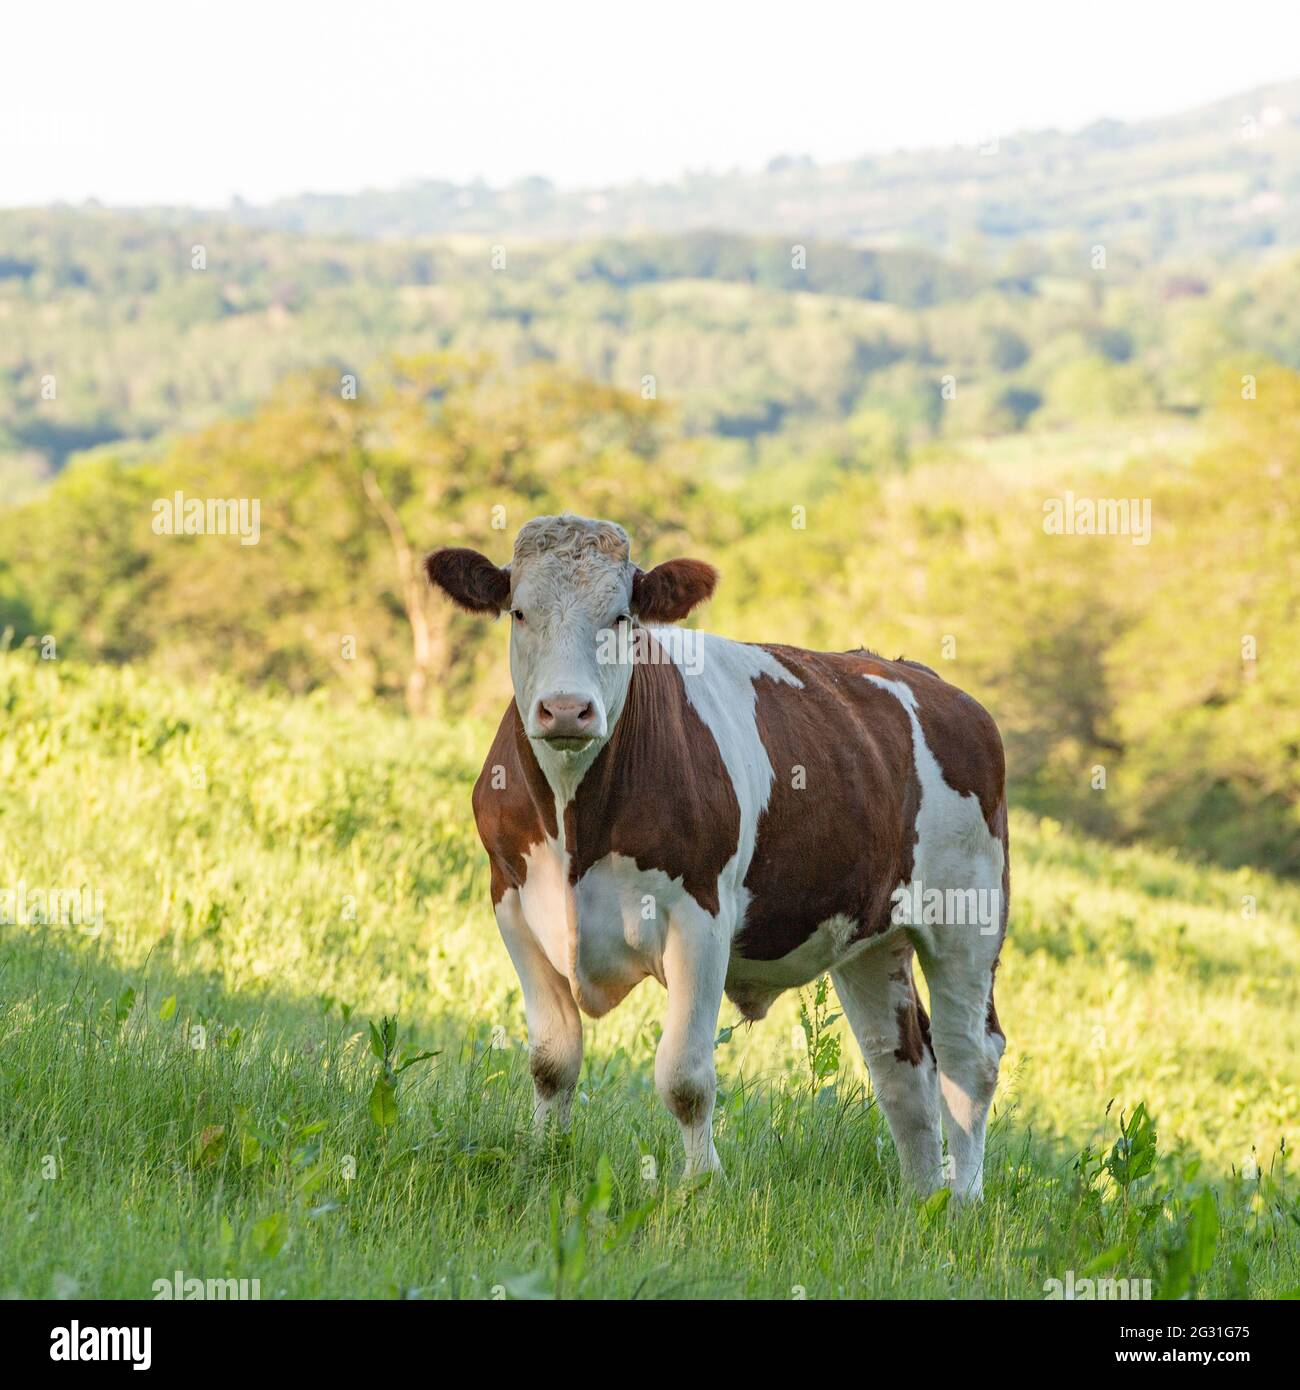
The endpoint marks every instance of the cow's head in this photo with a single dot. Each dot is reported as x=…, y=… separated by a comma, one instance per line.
x=569, y=589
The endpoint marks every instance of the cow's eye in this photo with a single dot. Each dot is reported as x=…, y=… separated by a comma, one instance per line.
x=517, y=614
x=625, y=617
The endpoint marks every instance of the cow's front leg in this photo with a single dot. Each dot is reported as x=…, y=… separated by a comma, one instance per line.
x=695, y=967
x=554, y=1025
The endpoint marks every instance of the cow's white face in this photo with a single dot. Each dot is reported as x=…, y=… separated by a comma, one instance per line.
x=571, y=591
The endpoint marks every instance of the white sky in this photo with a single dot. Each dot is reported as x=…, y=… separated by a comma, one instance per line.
x=141, y=101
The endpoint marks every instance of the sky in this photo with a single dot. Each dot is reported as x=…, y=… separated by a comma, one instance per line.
x=187, y=103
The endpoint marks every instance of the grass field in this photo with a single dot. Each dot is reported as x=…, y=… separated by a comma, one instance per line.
x=194, y=1087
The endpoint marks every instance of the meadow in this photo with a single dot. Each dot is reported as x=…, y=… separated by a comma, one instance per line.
x=226, y=1073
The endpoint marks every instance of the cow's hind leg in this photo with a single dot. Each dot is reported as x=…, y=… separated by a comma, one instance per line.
x=968, y=1043
x=880, y=1002
x=554, y=1025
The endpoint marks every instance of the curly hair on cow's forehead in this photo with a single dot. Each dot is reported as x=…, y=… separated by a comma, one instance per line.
x=576, y=534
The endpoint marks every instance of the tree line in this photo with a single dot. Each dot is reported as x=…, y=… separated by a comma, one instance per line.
x=1144, y=689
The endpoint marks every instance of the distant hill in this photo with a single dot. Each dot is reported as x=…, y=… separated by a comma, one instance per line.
x=1222, y=178
x=109, y=333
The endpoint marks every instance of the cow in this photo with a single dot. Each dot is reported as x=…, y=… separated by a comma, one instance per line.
x=739, y=818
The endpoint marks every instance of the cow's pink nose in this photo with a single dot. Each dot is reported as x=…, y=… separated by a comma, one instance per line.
x=566, y=716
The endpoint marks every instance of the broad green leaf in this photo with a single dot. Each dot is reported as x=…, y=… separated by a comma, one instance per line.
x=383, y=1103
x=934, y=1205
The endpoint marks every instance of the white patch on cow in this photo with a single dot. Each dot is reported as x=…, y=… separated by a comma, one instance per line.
x=723, y=693
x=954, y=847
x=545, y=898
x=620, y=943
x=956, y=850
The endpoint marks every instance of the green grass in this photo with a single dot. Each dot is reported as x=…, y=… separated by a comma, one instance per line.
x=278, y=874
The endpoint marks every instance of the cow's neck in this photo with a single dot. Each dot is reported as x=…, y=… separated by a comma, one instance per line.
x=588, y=780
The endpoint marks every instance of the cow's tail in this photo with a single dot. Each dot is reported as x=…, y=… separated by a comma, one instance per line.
x=1001, y=828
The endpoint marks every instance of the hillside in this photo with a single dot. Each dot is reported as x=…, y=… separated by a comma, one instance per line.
x=349, y=885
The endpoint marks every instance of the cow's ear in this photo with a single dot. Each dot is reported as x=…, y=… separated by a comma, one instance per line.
x=469, y=579
x=669, y=592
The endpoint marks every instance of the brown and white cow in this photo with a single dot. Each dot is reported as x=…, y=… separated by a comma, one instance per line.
x=738, y=818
